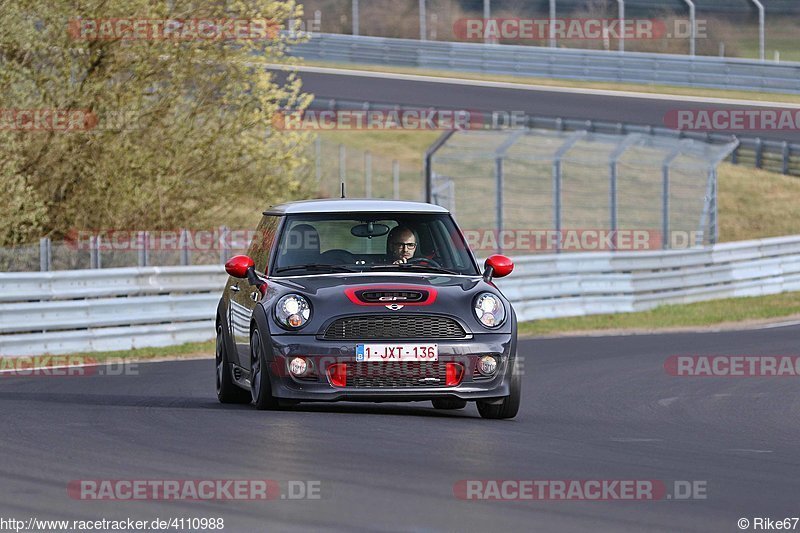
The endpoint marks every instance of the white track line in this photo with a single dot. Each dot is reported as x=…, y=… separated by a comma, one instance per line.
x=529, y=87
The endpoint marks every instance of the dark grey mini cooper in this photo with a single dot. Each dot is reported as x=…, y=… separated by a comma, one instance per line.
x=365, y=300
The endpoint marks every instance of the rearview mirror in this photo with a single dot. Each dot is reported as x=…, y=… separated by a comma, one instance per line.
x=369, y=230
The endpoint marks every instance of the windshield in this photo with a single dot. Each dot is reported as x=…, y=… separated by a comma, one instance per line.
x=342, y=242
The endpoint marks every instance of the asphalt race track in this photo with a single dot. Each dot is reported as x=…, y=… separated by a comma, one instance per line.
x=544, y=103
x=593, y=408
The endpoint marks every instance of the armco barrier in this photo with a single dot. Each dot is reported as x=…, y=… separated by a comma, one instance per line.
x=114, y=309
x=107, y=309
x=565, y=63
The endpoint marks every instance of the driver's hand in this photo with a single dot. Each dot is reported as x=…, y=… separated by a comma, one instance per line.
x=401, y=260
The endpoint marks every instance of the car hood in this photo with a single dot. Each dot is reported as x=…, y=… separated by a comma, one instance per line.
x=335, y=295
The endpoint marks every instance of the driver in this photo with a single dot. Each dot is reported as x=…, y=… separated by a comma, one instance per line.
x=401, y=244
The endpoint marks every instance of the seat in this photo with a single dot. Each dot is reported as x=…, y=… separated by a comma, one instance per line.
x=301, y=246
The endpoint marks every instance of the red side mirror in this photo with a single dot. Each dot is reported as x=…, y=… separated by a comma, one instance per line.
x=501, y=265
x=237, y=266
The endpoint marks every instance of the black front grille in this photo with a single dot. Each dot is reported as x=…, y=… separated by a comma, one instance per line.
x=367, y=327
x=397, y=374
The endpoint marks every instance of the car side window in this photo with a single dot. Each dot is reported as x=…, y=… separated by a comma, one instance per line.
x=261, y=246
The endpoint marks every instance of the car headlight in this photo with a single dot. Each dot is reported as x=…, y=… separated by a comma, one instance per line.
x=489, y=310
x=292, y=311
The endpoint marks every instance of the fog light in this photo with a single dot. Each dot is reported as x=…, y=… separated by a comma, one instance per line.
x=453, y=374
x=337, y=374
x=298, y=366
x=487, y=365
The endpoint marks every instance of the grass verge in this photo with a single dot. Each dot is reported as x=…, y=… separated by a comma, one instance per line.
x=190, y=350
x=728, y=312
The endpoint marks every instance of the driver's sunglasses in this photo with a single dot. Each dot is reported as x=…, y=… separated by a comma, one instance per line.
x=409, y=245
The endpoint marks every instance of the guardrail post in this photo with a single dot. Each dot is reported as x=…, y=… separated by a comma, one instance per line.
x=396, y=179
x=368, y=174
x=183, y=243
x=45, y=254
x=785, y=154
x=759, y=153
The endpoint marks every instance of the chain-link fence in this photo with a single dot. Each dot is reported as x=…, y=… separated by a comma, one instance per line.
x=527, y=190
x=364, y=174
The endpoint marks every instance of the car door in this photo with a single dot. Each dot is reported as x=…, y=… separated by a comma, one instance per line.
x=243, y=295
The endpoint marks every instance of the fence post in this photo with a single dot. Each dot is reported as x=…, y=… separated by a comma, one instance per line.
x=94, y=252
x=355, y=17
x=714, y=227
x=45, y=254
x=143, y=243
x=368, y=174
x=184, y=246
x=318, y=159
x=224, y=251
x=423, y=22
x=342, y=162
x=396, y=179
x=428, y=162
x=498, y=183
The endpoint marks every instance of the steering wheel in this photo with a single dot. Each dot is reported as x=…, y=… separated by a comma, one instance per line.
x=423, y=260
x=337, y=256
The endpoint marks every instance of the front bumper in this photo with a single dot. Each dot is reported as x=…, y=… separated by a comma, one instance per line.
x=321, y=354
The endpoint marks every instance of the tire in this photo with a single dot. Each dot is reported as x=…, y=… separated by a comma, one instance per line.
x=260, y=387
x=448, y=403
x=227, y=390
x=509, y=406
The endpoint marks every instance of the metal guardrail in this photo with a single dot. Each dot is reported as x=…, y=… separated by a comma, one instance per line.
x=621, y=282
x=109, y=309
x=116, y=309
x=774, y=156
x=565, y=63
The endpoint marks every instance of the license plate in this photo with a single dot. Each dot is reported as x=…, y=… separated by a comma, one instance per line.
x=397, y=352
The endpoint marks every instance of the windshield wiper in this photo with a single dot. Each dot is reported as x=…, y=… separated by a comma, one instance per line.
x=406, y=266
x=316, y=268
